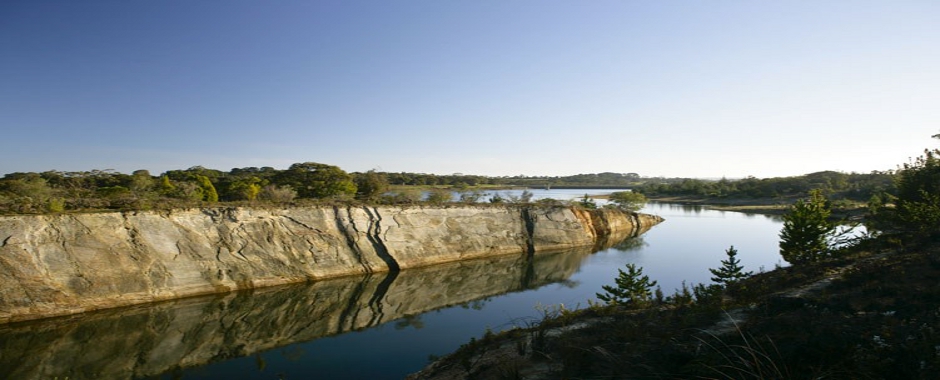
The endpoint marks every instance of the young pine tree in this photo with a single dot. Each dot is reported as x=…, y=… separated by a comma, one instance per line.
x=731, y=271
x=807, y=230
x=633, y=288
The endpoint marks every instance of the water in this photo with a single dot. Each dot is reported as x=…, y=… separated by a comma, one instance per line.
x=382, y=326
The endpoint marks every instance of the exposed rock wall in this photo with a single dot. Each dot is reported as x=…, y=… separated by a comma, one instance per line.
x=63, y=264
x=149, y=340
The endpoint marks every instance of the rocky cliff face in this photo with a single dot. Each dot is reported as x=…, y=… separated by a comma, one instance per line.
x=63, y=264
x=149, y=340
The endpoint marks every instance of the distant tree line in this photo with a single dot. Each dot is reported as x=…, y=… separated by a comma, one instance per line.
x=597, y=180
x=57, y=191
x=851, y=186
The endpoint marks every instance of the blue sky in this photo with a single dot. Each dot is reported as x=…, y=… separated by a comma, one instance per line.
x=660, y=88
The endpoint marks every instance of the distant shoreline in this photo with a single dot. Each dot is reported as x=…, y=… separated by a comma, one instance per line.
x=765, y=206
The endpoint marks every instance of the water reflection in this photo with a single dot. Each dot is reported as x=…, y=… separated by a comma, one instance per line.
x=628, y=245
x=150, y=340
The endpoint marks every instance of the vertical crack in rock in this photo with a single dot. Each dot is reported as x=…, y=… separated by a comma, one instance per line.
x=179, y=250
x=375, y=237
x=134, y=234
x=349, y=232
x=529, y=221
x=601, y=226
x=4, y=243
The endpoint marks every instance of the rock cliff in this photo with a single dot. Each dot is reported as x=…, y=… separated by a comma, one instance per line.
x=150, y=340
x=63, y=264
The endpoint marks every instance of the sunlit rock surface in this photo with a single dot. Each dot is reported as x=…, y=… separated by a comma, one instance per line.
x=64, y=264
x=147, y=340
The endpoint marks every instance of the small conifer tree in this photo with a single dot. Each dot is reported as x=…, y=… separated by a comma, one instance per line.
x=807, y=230
x=731, y=271
x=633, y=288
x=587, y=202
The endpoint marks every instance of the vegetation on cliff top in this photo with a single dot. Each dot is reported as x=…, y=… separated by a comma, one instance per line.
x=56, y=191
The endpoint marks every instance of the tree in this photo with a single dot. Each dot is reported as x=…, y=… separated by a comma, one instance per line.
x=141, y=182
x=246, y=188
x=439, y=196
x=633, y=288
x=731, y=271
x=209, y=193
x=628, y=200
x=587, y=202
x=370, y=185
x=166, y=187
x=314, y=180
x=917, y=206
x=806, y=232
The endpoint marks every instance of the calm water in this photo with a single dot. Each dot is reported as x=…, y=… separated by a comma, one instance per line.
x=375, y=327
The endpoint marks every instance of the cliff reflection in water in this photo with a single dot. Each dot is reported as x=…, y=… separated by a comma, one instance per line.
x=149, y=340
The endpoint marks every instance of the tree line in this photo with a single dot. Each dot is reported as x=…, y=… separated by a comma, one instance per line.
x=837, y=185
x=57, y=191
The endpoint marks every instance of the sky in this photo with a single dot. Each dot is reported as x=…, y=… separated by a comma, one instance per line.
x=702, y=89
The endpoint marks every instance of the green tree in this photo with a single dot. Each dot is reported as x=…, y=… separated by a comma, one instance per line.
x=166, y=187
x=628, y=200
x=806, y=232
x=209, y=193
x=246, y=189
x=141, y=182
x=731, y=271
x=587, y=202
x=633, y=288
x=370, y=185
x=917, y=206
x=439, y=196
x=314, y=180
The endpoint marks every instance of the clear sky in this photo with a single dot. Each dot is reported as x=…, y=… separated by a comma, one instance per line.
x=660, y=88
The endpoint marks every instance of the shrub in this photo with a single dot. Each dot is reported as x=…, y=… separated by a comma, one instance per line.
x=628, y=200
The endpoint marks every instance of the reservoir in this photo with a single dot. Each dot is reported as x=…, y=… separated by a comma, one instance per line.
x=380, y=326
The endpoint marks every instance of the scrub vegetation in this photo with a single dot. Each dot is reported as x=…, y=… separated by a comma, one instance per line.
x=845, y=309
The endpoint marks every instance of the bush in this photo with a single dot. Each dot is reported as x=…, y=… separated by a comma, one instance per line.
x=628, y=200
x=277, y=193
